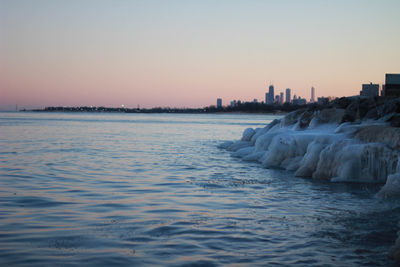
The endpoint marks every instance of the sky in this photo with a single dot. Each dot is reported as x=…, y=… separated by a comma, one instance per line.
x=189, y=53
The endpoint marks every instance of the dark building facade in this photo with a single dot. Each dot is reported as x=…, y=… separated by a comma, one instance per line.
x=392, y=85
x=370, y=90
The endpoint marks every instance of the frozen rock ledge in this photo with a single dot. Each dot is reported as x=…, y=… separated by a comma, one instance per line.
x=354, y=139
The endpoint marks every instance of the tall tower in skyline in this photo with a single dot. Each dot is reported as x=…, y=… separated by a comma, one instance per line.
x=219, y=102
x=288, y=91
x=271, y=94
x=312, y=100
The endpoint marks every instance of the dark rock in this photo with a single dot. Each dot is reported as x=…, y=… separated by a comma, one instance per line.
x=305, y=119
x=331, y=115
x=351, y=112
x=391, y=105
x=372, y=114
x=343, y=102
x=395, y=120
x=366, y=104
x=292, y=117
x=387, y=135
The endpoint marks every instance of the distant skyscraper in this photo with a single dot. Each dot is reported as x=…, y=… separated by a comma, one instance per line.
x=281, y=98
x=271, y=94
x=312, y=100
x=294, y=97
x=277, y=99
x=288, y=95
x=219, y=103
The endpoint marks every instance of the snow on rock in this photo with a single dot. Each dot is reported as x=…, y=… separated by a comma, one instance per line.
x=392, y=186
x=248, y=134
x=235, y=146
x=284, y=147
x=380, y=133
x=370, y=163
x=264, y=130
x=344, y=142
x=309, y=162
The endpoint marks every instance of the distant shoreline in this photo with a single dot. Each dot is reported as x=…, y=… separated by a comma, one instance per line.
x=245, y=108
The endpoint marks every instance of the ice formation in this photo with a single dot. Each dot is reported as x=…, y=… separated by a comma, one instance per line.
x=353, y=140
x=337, y=153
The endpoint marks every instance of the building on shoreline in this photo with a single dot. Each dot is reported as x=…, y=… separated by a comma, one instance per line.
x=370, y=89
x=219, y=102
x=270, y=97
x=312, y=99
x=299, y=101
x=392, y=84
x=288, y=92
x=281, y=98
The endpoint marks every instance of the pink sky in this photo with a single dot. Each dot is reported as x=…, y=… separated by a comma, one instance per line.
x=188, y=53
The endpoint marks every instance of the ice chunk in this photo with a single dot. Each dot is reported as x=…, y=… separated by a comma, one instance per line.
x=247, y=134
x=391, y=188
x=243, y=152
x=284, y=147
x=225, y=144
x=255, y=156
x=238, y=145
x=348, y=161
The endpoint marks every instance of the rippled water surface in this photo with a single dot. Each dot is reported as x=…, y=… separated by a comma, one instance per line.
x=154, y=189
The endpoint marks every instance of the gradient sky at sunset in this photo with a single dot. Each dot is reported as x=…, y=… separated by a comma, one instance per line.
x=188, y=53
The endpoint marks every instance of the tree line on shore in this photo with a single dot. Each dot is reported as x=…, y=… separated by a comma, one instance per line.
x=247, y=107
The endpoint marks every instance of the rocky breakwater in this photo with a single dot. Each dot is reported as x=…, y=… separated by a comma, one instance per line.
x=353, y=139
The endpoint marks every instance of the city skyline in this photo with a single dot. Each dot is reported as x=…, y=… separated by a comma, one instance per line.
x=188, y=53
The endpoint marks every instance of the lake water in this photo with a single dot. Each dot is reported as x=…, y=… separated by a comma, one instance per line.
x=154, y=189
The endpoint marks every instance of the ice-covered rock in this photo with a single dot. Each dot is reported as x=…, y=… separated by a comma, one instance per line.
x=255, y=156
x=291, y=118
x=380, y=133
x=320, y=143
x=354, y=139
x=243, y=152
x=330, y=115
x=309, y=162
x=394, y=252
x=286, y=147
x=238, y=145
x=263, y=142
x=225, y=144
x=391, y=188
x=264, y=130
x=346, y=161
x=248, y=134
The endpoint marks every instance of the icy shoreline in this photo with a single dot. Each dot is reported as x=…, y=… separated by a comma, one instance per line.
x=351, y=140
